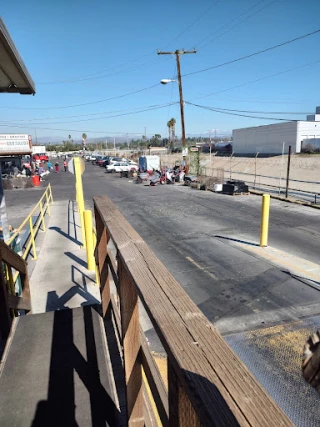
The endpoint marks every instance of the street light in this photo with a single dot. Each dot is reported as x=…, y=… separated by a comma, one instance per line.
x=165, y=81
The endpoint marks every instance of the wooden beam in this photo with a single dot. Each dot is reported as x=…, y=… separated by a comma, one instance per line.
x=219, y=386
x=157, y=387
x=5, y=318
x=130, y=328
x=101, y=261
x=19, y=303
x=12, y=259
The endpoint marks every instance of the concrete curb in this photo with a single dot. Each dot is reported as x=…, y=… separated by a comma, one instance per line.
x=284, y=199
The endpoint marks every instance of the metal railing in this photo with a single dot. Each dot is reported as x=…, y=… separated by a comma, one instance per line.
x=33, y=222
x=208, y=384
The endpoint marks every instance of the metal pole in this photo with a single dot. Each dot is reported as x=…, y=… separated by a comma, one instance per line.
x=280, y=180
x=288, y=171
x=231, y=164
x=255, y=170
x=79, y=195
x=114, y=145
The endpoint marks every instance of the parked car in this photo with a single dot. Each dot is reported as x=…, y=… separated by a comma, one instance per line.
x=121, y=166
x=102, y=160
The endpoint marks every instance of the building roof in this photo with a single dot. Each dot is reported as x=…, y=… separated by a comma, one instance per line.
x=14, y=76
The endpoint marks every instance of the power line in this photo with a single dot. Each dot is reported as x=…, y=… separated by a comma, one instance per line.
x=262, y=112
x=193, y=23
x=241, y=115
x=253, y=54
x=241, y=22
x=258, y=80
x=86, y=103
x=108, y=117
x=229, y=22
x=83, y=115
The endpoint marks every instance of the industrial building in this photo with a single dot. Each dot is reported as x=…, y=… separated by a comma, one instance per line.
x=270, y=139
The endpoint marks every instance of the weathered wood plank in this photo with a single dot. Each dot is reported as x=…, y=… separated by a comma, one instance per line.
x=12, y=259
x=181, y=411
x=157, y=387
x=19, y=303
x=113, y=268
x=102, y=263
x=219, y=386
x=130, y=328
x=5, y=318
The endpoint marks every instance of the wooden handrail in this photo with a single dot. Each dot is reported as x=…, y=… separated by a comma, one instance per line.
x=8, y=300
x=208, y=384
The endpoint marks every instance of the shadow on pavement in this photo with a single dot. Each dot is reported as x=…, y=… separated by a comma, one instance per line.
x=72, y=219
x=76, y=259
x=67, y=404
x=58, y=230
x=237, y=240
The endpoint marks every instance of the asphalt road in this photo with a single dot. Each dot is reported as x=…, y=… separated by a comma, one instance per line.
x=263, y=312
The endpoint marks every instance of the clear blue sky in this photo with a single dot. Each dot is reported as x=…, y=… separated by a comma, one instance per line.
x=112, y=46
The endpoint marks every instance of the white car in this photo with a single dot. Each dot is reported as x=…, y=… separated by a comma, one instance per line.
x=121, y=166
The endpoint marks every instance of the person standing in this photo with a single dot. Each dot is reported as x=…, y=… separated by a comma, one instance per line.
x=57, y=167
x=65, y=165
x=49, y=164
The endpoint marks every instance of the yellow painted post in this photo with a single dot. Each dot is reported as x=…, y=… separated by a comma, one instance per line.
x=32, y=238
x=264, y=230
x=87, y=215
x=79, y=194
x=48, y=204
x=50, y=193
x=42, y=217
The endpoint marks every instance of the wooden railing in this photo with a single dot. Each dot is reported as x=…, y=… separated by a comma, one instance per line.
x=208, y=385
x=10, y=303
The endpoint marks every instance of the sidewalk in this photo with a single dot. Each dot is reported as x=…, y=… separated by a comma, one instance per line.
x=60, y=278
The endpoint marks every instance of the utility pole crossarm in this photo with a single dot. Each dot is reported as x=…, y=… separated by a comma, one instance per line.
x=177, y=52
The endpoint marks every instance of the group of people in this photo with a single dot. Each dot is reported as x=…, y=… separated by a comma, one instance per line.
x=57, y=166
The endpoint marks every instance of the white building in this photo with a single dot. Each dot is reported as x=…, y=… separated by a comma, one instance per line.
x=269, y=139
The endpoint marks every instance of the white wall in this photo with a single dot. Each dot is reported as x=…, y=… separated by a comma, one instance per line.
x=266, y=139
x=307, y=130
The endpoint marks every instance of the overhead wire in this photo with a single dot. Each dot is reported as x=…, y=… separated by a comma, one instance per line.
x=150, y=108
x=241, y=22
x=241, y=58
x=205, y=107
x=85, y=103
x=257, y=80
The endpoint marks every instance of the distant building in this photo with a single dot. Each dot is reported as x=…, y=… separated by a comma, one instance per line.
x=269, y=139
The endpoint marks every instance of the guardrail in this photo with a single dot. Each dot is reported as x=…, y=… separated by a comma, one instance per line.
x=33, y=222
x=208, y=384
x=9, y=302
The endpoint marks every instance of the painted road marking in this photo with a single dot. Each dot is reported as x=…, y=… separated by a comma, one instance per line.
x=212, y=275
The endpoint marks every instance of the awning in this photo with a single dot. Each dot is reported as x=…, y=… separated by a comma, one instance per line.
x=14, y=76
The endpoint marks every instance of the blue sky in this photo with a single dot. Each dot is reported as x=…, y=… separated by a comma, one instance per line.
x=110, y=47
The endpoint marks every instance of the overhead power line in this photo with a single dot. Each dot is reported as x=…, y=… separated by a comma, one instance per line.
x=262, y=112
x=253, y=54
x=230, y=22
x=257, y=80
x=86, y=103
x=156, y=107
x=205, y=107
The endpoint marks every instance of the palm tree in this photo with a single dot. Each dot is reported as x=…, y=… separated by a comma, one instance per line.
x=171, y=125
x=84, y=136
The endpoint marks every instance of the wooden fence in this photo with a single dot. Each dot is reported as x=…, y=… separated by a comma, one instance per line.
x=10, y=303
x=208, y=385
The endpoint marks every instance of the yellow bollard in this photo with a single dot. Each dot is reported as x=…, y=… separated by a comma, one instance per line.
x=264, y=230
x=87, y=215
x=79, y=196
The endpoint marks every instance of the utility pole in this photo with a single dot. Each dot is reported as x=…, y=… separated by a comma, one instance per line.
x=177, y=54
x=35, y=132
x=288, y=171
x=114, y=145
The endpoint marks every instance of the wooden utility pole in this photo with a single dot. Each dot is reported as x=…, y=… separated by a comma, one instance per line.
x=177, y=54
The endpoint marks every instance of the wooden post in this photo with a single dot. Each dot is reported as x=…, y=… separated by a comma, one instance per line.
x=131, y=347
x=181, y=411
x=5, y=319
x=288, y=172
x=102, y=262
